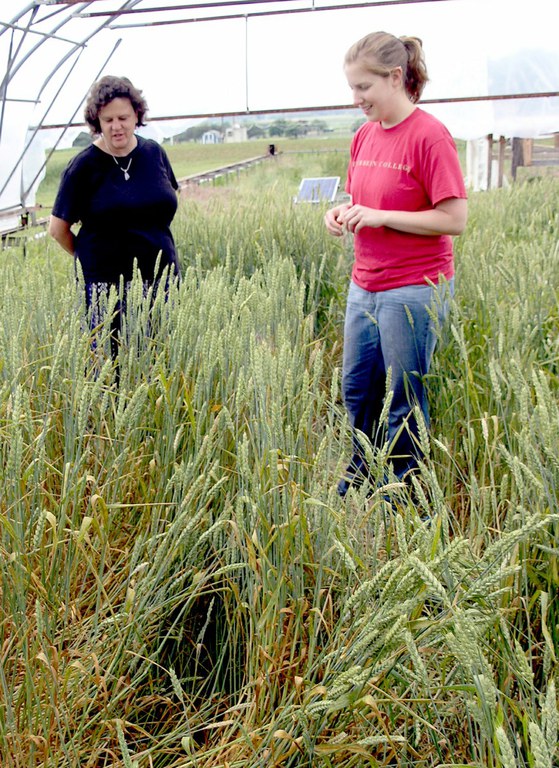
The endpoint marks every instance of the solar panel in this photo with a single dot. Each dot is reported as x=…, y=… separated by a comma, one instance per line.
x=318, y=190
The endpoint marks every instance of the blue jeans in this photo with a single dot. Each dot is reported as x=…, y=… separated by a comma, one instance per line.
x=396, y=330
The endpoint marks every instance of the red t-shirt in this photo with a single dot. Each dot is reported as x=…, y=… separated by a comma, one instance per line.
x=410, y=167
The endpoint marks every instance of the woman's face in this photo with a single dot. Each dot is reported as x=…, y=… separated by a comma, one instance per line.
x=118, y=122
x=374, y=94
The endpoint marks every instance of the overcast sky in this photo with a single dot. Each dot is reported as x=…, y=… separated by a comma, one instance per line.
x=273, y=62
x=268, y=63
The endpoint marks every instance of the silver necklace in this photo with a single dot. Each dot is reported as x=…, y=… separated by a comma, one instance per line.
x=124, y=170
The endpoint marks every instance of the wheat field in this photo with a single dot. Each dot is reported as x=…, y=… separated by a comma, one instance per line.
x=181, y=585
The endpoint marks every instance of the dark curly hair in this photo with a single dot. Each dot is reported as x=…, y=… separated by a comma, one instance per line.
x=106, y=90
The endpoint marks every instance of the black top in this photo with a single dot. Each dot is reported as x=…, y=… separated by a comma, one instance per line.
x=121, y=220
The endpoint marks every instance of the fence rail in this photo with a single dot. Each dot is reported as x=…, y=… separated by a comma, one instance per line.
x=16, y=222
x=224, y=170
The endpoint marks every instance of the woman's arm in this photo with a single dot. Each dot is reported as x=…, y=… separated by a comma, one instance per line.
x=447, y=218
x=62, y=233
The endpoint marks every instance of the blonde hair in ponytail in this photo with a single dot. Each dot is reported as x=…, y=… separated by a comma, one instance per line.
x=382, y=52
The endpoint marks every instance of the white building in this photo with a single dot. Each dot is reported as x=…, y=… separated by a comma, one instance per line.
x=212, y=137
x=235, y=133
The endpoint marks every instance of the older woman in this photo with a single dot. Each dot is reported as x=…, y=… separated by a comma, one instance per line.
x=121, y=190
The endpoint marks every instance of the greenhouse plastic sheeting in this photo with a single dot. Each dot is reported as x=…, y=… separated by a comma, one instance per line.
x=252, y=60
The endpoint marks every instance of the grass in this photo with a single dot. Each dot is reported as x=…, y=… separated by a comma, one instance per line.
x=181, y=585
x=189, y=158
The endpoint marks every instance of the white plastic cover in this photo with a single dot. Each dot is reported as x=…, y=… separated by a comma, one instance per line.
x=52, y=52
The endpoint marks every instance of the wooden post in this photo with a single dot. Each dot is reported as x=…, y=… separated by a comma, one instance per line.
x=489, y=158
x=517, y=156
x=527, y=145
x=502, y=145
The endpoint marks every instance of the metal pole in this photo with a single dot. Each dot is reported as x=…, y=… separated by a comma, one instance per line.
x=246, y=64
x=26, y=147
x=4, y=89
x=489, y=159
x=11, y=71
x=189, y=7
x=25, y=192
x=19, y=15
x=340, y=7
x=12, y=67
x=334, y=107
x=36, y=32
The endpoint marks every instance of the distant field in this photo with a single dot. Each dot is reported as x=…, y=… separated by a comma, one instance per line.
x=190, y=157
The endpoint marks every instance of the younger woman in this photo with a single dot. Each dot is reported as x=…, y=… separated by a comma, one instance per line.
x=407, y=201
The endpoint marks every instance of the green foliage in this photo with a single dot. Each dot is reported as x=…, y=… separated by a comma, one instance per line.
x=56, y=164
x=181, y=585
x=83, y=139
x=189, y=158
x=195, y=132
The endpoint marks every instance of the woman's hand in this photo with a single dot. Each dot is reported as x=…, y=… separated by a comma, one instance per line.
x=448, y=217
x=358, y=216
x=334, y=219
